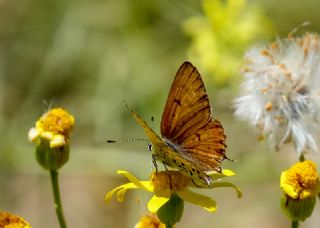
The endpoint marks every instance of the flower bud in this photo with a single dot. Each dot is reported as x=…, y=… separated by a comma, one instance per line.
x=51, y=157
x=51, y=136
x=300, y=185
x=297, y=209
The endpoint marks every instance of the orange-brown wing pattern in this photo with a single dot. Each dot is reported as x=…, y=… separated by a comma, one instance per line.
x=187, y=105
x=206, y=146
x=187, y=121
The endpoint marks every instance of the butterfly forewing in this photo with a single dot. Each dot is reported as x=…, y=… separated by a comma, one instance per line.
x=186, y=98
x=187, y=121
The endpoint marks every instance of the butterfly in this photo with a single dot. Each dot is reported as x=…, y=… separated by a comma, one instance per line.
x=191, y=139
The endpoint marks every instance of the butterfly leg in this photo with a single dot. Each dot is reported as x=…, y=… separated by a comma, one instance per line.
x=166, y=168
x=195, y=184
x=155, y=163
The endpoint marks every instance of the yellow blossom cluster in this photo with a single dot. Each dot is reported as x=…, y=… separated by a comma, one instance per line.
x=54, y=126
x=8, y=220
x=301, y=181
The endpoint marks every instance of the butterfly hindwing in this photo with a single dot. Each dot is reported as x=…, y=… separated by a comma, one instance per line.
x=206, y=146
x=187, y=121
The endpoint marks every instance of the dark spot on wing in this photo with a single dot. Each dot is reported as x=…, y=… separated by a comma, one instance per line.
x=221, y=151
x=177, y=101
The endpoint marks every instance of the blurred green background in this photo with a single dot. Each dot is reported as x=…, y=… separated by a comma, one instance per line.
x=89, y=56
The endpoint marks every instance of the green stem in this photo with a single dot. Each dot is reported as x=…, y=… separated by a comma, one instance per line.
x=301, y=158
x=57, y=200
x=169, y=226
x=295, y=224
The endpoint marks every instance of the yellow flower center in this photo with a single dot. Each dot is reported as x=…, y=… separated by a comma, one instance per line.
x=169, y=180
x=301, y=180
x=149, y=221
x=8, y=220
x=57, y=121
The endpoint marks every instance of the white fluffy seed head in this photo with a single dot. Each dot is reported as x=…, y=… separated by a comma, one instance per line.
x=280, y=95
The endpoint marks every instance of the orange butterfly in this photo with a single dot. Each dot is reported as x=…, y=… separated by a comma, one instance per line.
x=192, y=141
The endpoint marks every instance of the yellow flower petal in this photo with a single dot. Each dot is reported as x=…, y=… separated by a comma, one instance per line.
x=47, y=135
x=33, y=134
x=288, y=188
x=203, y=201
x=155, y=203
x=145, y=185
x=122, y=189
x=122, y=192
x=227, y=184
x=306, y=193
x=225, y=173
x=57, y=141
x=162, y=196
x=228, y=172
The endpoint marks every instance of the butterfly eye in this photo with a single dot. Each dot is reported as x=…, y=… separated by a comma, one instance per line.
x=150, y=146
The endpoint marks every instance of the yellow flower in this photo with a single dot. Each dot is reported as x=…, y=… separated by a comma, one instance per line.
x=163, y=184
x=300, y=185
x=150, y=221
x=51, y=136
x=301, y=181
x=54, y=126
x=8, y=220
x=220, y=36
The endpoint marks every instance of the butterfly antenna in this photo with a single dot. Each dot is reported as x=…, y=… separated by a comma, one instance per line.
x=127, y=140
x=229, y=159
x=127, y=106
